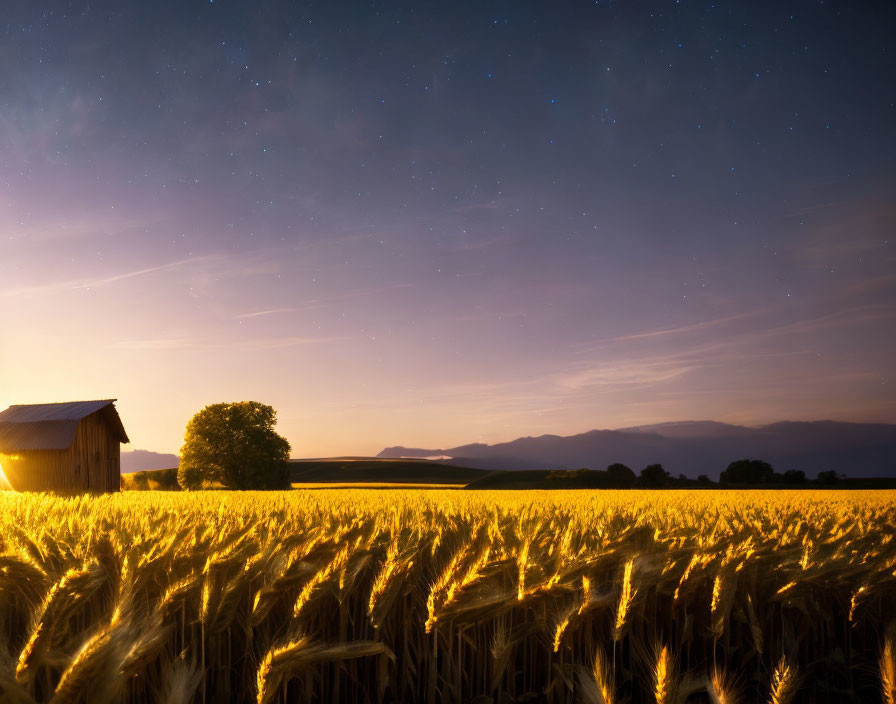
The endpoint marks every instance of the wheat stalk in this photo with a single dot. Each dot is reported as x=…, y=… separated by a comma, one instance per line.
x=603, y=677
x=887, y=664
x=625, y=599
x=663, y=677
x=783, y=683
x=290, y=659
x=720, y=689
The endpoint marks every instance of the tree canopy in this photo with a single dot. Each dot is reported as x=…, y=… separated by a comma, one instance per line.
x=234, y=444
x=654, y=475
x=621, y=474
x=748, y=472
x=829, y=476
x=794, y=476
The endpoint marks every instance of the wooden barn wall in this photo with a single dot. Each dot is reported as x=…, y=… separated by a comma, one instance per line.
x=97, y=455
x=40, y=470
x=92, y=463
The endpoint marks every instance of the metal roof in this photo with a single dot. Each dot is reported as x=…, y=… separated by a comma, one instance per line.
x=52, y=426
x=75, y=410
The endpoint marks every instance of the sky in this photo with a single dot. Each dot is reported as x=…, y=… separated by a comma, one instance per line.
x=432, y=224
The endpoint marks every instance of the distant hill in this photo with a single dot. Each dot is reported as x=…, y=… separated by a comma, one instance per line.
x=544, y=479
x=692, y=448
x=339, y=470
x=142, y=460
x=373, y=470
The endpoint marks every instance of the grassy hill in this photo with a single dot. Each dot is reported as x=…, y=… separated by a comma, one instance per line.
x=544, y=479
x=337, y=470
x=375, y=470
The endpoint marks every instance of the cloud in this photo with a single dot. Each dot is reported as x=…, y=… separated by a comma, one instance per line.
x=270, y=343
x=98, y=281
x=841, y=318
x=35, y=227
x=204, y=270
x=155, y=345
x=646, y=372
x=694, y=327
x=262, y=313
x=843, y=231
x=763, y=327
x=315, y=303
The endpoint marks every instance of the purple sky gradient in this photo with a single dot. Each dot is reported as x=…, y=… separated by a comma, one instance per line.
x=430, y=225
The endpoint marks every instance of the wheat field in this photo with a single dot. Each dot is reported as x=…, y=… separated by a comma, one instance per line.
x=449, y=596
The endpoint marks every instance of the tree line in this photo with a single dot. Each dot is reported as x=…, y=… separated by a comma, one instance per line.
x=740, y=472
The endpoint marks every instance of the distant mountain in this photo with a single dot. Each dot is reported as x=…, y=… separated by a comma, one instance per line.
x=691, y=429
x=140, y=460
x=692, y=448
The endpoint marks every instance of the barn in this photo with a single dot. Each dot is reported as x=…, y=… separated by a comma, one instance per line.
x=62, y=447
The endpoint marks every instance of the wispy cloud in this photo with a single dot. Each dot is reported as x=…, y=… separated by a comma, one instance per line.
x=766, y=322
x=647, y=372
x=155, y=345
x=78, y=223
x=203, y=271
x=173, y=344
x=839, y=232
x=90, y=283
x=316, y=303
x=694, y=327
x=262, y=313
x=841, y=318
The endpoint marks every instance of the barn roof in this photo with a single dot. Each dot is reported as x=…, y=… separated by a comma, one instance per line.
x=52, y=426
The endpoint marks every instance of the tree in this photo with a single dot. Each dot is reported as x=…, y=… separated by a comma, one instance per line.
x=234, y=444
x=829, y=477
x=794, y=476
x=654, y=475
x=620, y=474
x=747, y=472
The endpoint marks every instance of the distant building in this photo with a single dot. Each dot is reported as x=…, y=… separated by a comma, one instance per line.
x=62, y=447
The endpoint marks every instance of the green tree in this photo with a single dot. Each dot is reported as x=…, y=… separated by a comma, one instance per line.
x=234, y=444
x=654, y=475
x=794, y=476
x=829, y=477
x=621, y=474
x=747, y=472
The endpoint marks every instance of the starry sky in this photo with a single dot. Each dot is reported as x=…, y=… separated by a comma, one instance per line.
x=430, y=224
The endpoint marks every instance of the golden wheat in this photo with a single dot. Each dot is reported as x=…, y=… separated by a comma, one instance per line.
x=603, y=677
x=720, y=689
x=783, y=683
x=435, y=595
x=663, y=677
x=887, y=664
x=626, y=594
